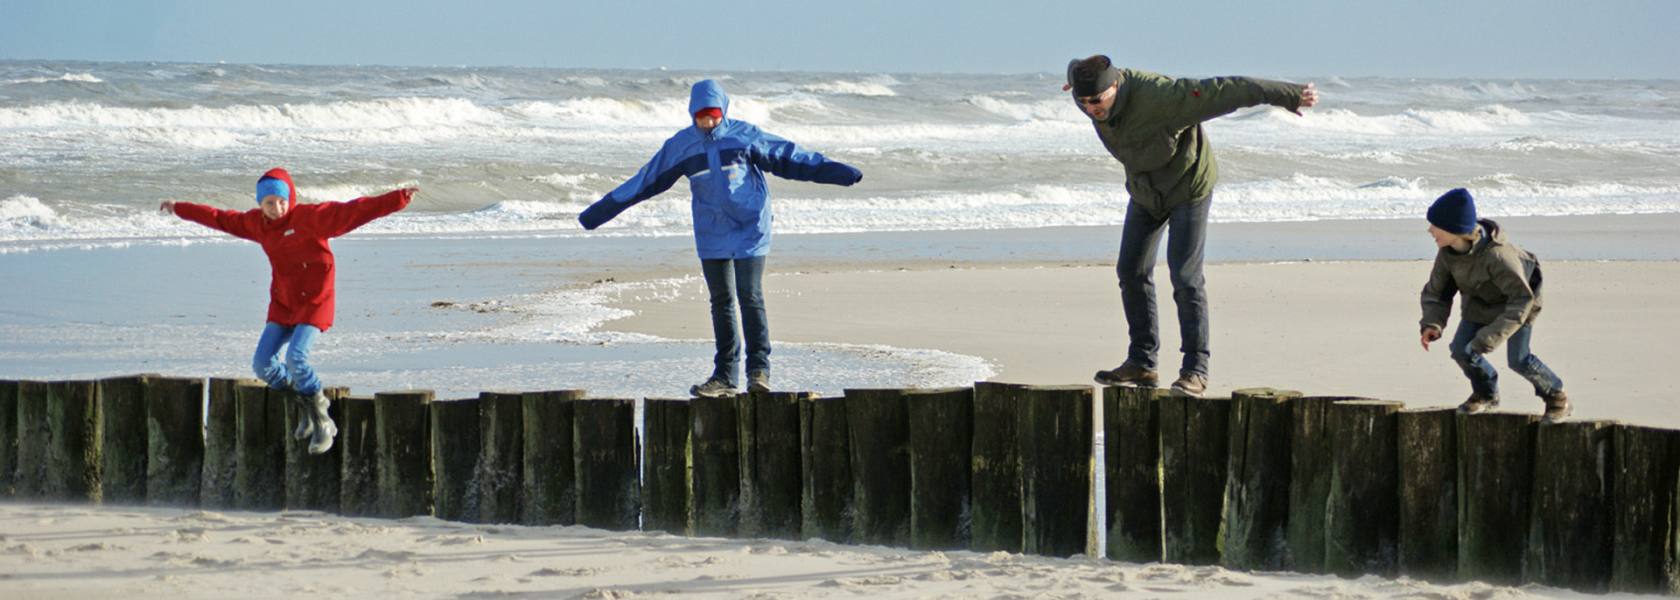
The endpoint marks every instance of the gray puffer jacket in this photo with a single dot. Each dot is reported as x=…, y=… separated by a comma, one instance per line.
x=1500, y=283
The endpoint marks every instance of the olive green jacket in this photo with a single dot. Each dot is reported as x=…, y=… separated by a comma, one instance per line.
x=1500, y=283
x=1155, y=131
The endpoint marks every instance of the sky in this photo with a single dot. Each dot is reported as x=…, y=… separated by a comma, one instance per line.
x=1394, y=38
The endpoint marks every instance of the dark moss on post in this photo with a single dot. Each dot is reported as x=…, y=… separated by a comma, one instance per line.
x=402, y=424
x=122, y=439
x=34, y=436
x=221, y=443
x=878, y=425
x=1646, y=463
x=1132, y=461
x=8, y=438
x=1496, y=487
x=358, y=444
x=548, y=478
x=995, y=475
x=455, y=446
x=1309, y=481
x=770, y=465
x=174, y=441
x=941, y=438
x=502, y=432
x=1058, y=463
x=717, y=465
x=665, y=497
x=1428, y=455
x=1571, y=527
x=1257, y=482
x=259, y=480
x=1195, y=433
x=1361, y=514
x=825, y=470
x=606, y=455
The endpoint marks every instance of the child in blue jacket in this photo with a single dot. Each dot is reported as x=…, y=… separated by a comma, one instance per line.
x=724, y=160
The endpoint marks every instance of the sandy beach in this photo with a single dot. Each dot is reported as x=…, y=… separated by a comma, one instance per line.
x=64, y=552
x=1324, y=328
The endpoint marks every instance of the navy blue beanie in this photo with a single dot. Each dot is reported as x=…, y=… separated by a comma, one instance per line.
x=1454, y=212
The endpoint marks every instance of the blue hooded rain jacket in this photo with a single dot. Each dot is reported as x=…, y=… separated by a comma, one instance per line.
x=725, y=170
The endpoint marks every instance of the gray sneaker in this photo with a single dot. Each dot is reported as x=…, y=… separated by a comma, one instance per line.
x=712, y=388
x=758, y=383
x=322, y=438
x=1557, y=408
x=1478, y=404
x=1190, y=384
x=1128, y=375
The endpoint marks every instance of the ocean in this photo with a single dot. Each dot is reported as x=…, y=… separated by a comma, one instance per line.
x=487, y=281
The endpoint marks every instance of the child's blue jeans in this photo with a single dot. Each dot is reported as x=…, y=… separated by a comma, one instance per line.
x=291, y=371
x=1484, y=380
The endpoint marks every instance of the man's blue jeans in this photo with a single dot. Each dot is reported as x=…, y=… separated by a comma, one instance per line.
x=1484, y=380
x=730, y=280
x=291, y=371
x=1138, y=242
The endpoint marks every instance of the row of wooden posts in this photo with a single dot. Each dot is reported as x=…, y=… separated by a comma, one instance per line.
x=1264, y=480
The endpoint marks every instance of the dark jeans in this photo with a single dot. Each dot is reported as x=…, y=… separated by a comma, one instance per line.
x=728, y=280
x=1484, y=380
x=1138, y=241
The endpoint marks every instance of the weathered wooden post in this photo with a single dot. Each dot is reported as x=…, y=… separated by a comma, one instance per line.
x=941, y=441
x=548, y=478
x=665, y=424
x=221, y=443
x=1361, y=520
x=312, y=480
x=502, y=432
x=1571, y=529
x=73, y=456
x=717, y=465
x=404, y=469
x=1194, y=439
x=605, y=451
x=122, y=439
x=174, y=440
x=1496, y=486
x=879, y=434
x=1647, y=467
x=1132, y=461
x=358, y=442
x=455, y=446
x=34, y=437
x=1058, y=465
x=770, y=467
x=995, y=473
x=1309, y=481
x=825, y=470
x=8, y=438
x=1428, y=455
x=1257, y=482
x=259, y=480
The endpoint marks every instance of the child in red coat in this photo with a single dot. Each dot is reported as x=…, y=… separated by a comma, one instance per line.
x=300, y=293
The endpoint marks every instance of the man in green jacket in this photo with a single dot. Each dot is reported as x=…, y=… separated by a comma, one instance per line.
x=1152, y=125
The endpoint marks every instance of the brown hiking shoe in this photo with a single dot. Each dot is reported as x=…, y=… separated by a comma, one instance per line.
x=759, y=382
x=1478, y=404
x=1190, y=384
x=1128, y=375
x=1557, y=407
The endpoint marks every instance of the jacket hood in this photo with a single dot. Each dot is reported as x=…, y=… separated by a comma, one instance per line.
x=1491, y=233
x=707, y=93
x=282, y=175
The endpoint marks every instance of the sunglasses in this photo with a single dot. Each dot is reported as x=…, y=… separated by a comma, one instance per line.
x=1095, y=100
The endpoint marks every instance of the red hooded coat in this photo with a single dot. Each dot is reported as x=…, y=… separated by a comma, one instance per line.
x=301, y=261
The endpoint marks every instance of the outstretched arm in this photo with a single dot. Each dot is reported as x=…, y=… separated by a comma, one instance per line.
x=1203, y=99
x=232, y=222
x=339, y=218
x=787, y=159
x=656, y=176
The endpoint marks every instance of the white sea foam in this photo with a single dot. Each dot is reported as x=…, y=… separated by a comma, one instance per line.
x=850, y=88
x=67, y=77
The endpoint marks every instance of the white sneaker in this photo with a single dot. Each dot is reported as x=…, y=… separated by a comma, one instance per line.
x=321, y=439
